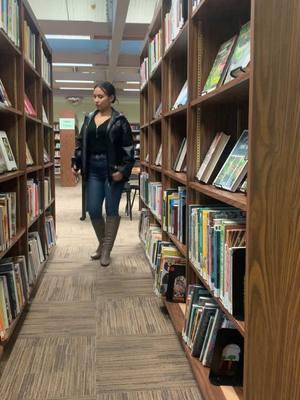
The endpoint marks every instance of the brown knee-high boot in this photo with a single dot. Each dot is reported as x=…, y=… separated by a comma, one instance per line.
x=99, y=228
x=111, y=230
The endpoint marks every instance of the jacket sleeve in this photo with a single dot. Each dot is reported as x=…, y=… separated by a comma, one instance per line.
x=127, y=149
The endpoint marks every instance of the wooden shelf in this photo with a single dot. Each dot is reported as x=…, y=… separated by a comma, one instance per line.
x=177, y=111
x=156, y=121
x=215, y=9
x=156, y=168
x=48, y=165
x=50, y=204
x=145, y=86
x=240, y=325
x=14, y=240
x=157, y=219
x=179, y=44
x=145, y=125
x=234, y=91
x=9, y=332
x=177, y=176
x=29, y=68
x=47, y=125
x=145, y=164
x=46, y=85
x=32, y=222
x=7, y=176
x=201, y=373
x=33, y=168
x=33, y=119
x=180, y=246
x=7, y=45
x=238, y=200
x=9, y=110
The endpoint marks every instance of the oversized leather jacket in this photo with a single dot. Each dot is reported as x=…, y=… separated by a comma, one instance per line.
x=120, y=149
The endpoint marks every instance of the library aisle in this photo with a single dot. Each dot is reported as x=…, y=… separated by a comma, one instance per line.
x=94, y=333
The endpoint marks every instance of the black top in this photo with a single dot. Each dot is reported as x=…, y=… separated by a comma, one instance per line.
x=96, y=137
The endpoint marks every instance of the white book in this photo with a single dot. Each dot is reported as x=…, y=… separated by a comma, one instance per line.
x=7, y=153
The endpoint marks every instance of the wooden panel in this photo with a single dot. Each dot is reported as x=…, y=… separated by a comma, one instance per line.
x=273, y=296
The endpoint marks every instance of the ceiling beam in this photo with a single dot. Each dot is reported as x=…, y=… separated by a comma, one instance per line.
x=118, y=25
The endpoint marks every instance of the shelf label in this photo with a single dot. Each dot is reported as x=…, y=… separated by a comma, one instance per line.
x=66, y=123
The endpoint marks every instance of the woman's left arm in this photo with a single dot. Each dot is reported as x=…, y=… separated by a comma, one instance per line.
x=127, y=149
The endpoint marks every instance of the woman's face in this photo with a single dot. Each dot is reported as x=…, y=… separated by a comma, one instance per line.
x=101, y=99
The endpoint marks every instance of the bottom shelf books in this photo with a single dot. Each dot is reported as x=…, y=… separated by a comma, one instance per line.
x=16, y=279
x=212, y=338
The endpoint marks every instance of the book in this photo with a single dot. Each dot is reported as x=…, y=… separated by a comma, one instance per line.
x=214, y=158
x=220, y=66
x=241, y=54
x=6, y=152
x=29, y=109
x=235, y=167
x=182, y=97
x=158, y=111
x=158, y=160
x=46, y=156
x=243, y=187
x=3, y=95
x=29, y=159
x=181, y=156
x=176, y=286
x=45, y=118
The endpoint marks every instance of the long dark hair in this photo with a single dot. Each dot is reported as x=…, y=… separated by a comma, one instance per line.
x=108, y=88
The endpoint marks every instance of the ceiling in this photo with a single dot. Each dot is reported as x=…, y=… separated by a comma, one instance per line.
x=117, y=29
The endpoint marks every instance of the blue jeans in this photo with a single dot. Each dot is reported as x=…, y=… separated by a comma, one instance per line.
x=99, y=187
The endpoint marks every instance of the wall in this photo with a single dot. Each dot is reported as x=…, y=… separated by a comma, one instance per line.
x=130, y=107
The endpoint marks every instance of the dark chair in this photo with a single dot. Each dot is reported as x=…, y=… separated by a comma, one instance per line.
x=132, y=185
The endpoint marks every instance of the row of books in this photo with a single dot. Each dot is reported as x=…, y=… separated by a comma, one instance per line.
x=155, y=51
x=144, y=187
x=225, y=165
x=9, y=19
x=34, y=197
x=217, y=247
x=8, y=224
x=16, y=278
x=29, y=44
x=173, y=212
x=232, y=59
x=212, y=338
x=164, y=258
x=46, y=68
x=174, y=20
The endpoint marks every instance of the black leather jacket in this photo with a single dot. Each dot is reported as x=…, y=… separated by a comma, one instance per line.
x=120, y=150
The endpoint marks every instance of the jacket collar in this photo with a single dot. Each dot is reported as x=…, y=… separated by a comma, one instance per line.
x=115, y=114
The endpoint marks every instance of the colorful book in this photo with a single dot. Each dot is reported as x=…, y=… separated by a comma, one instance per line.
x=220, y=66
x=235, y=167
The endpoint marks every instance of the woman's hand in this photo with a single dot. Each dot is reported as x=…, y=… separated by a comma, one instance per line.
x=117, y=176
x=76, y=172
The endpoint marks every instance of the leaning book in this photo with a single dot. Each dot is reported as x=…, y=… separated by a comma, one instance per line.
x=235, y=167
x=8, y=156
x=220, y=66
x=241, y=54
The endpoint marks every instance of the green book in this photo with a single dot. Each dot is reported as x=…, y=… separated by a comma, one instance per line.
x=235, y=167
x=220, y=66
x=241, y=54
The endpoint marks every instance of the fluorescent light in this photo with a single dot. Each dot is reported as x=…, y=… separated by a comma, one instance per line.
x=63, y=64
x=75, y=88
x=131, y=90
x=72, y=81
x=133, y=82
x=72, y=37
x=88, y=72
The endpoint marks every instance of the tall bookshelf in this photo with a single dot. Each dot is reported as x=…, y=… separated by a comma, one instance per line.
x=263, y=100
x=26, y=67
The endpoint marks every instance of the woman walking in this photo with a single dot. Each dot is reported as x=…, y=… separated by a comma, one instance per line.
x=104, y=156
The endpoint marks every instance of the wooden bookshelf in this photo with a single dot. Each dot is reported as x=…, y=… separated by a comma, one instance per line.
x=20, y=76
x=263, y=100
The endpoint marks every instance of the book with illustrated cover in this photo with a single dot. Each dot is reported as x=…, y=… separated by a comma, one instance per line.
x=181, y=156
x=7, y=153
x=46, y=156
x=176, y=283
x=214, y=158
x=182, y=97
x=235, y=167
x=3, y=95
x=220, y=66
x=241, y=54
